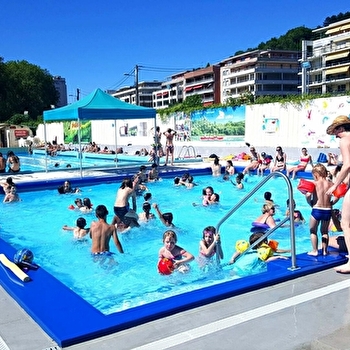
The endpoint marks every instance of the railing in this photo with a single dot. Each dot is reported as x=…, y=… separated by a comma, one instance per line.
x=290, y=218
x=185, y=152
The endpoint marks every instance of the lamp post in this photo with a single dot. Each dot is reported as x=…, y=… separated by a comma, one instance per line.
x=136, y=83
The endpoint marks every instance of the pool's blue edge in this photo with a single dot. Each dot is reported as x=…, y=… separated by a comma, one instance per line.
x=69, y=319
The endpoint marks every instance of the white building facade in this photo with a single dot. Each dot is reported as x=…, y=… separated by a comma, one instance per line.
x=325, y=61
x=261, y=73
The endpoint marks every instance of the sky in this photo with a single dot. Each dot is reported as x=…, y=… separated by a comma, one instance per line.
x=97, y=44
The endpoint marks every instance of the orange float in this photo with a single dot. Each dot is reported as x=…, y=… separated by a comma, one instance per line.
x=340, y=190
x=273, y=244
x=305, y=186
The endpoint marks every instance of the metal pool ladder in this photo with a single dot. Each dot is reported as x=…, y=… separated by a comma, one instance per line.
x=185, y=152
x=290, y=218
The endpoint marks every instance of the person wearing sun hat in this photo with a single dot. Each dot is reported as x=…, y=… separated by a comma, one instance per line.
x=340, y=127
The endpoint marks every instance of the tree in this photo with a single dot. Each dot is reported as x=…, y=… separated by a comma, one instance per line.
x=336, y=18
x=27, y=88
x=192, y=102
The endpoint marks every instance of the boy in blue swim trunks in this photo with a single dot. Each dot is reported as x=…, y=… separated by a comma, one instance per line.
x=321, y=205
x=101, y=233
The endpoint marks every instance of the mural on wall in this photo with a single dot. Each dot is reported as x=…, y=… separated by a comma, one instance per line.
x=295, y=124
x=218, y=124
x=317, y=115
x=70, y=130
x=182, y=126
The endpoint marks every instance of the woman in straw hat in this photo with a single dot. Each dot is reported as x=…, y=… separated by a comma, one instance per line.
x=341, y=129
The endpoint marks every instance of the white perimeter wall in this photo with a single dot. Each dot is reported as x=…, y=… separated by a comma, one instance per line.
x=294, y=126
x=267, y=125
x=103, y=132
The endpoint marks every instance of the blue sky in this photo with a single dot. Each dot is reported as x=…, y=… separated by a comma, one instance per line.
x=93, y=43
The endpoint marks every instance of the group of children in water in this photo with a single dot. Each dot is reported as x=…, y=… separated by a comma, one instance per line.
x=209, y=245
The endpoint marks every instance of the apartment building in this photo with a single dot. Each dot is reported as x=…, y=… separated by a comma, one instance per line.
x=261, y=73
x=171, y=92
x=142, y=95
x=204, y=82
x=325, y=61
x=61, y=87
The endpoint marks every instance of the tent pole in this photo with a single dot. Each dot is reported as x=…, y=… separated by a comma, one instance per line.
x=80, y=153
x=156, y=142
x=45, y=146
x=115, y=141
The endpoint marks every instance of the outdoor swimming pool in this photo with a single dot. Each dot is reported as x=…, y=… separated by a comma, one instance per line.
x=135, y=282
x=38, y=161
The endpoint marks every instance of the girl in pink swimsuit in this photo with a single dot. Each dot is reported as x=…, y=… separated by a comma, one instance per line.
x=209, y=245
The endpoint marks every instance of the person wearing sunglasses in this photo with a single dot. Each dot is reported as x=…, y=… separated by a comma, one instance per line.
x=280, y=160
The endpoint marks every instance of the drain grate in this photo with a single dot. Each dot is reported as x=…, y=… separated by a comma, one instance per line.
x=3, y=345
x=52, y=348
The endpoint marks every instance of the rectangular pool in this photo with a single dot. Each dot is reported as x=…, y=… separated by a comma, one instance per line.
x=132, y=292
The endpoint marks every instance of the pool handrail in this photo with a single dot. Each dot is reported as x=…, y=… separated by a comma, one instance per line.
x=291, y=214
x=187, y=152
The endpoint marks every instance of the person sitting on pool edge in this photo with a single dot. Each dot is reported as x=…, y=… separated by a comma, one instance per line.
x=305, y=159
x=166, y=218
x=101, y=233
x=13, y=162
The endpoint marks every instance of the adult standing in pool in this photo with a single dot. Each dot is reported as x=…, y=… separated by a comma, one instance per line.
x=124, y=193
x=341, y=129
x=169, y=145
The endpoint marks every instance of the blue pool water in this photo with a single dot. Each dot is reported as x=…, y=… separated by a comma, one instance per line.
x=38, y=161
x=36, y=223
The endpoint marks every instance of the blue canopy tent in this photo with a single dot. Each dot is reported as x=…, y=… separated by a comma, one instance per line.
x=98, y=106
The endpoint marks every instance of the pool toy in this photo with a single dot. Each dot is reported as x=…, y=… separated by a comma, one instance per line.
x=273, y=244
x=165, y=266
x=259, y=227
x=242, y=245
x=71, y=207
x=264, y=252
x=305, y=186
x=14, y=268
x=24, y=258
x=340, y=191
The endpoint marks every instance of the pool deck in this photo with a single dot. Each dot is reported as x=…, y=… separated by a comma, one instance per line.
x=309, y=312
